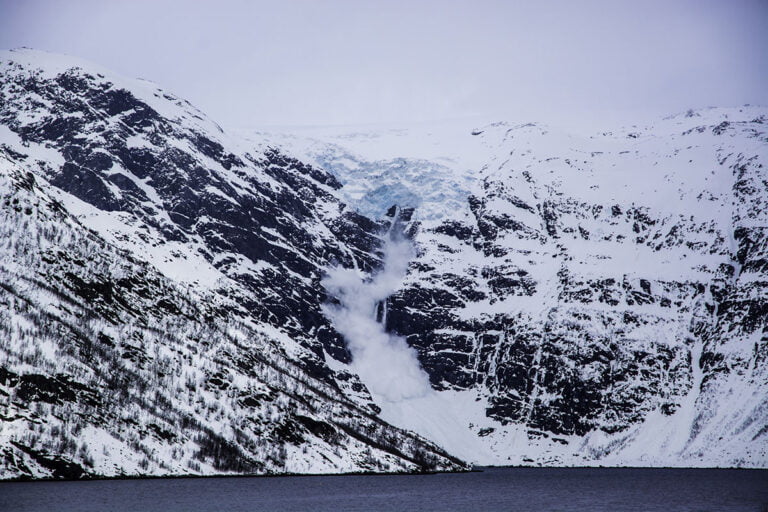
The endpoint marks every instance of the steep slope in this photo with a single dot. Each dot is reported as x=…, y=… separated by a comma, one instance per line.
x=597, y=298
x=111, y=369
x=594, y=299
x=155, y=176
x=160, y=297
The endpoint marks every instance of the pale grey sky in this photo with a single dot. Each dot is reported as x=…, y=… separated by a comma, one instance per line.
x=283, y=62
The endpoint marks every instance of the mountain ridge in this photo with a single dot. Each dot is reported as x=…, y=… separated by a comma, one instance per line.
x=681, y=227
x=193, y=382
x=532, y=260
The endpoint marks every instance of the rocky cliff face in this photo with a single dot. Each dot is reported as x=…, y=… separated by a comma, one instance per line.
x=603, y=296
x=160, y=307
x=155, y=176
x=573, y=300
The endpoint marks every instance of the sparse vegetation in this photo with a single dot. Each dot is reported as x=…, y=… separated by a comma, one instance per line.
x=123, y=386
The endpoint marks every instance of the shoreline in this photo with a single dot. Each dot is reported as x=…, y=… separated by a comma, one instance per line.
x=476, y=469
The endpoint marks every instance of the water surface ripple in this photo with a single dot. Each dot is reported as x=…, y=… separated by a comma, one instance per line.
x=493, y=489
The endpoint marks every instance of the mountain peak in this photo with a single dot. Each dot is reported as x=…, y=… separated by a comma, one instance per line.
x=566, y=296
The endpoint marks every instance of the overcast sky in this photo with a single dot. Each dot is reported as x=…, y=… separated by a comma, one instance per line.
x=261, y=63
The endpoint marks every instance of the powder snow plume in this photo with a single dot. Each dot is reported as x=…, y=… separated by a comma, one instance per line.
x=385, y=363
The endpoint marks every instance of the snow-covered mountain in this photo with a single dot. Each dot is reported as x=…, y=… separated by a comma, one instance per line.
x=595, y=298
x=179, y=299
x=160, y=307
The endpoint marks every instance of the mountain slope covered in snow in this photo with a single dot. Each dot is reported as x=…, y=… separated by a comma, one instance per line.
x=596, y=298
x=159, y=313
x=178, y=299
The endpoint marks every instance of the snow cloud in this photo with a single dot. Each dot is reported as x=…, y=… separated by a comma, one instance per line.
x=384, y=362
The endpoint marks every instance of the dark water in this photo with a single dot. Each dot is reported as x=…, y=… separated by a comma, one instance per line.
x=494, y=489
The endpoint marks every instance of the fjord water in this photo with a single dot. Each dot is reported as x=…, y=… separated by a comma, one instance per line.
x=493, y=489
